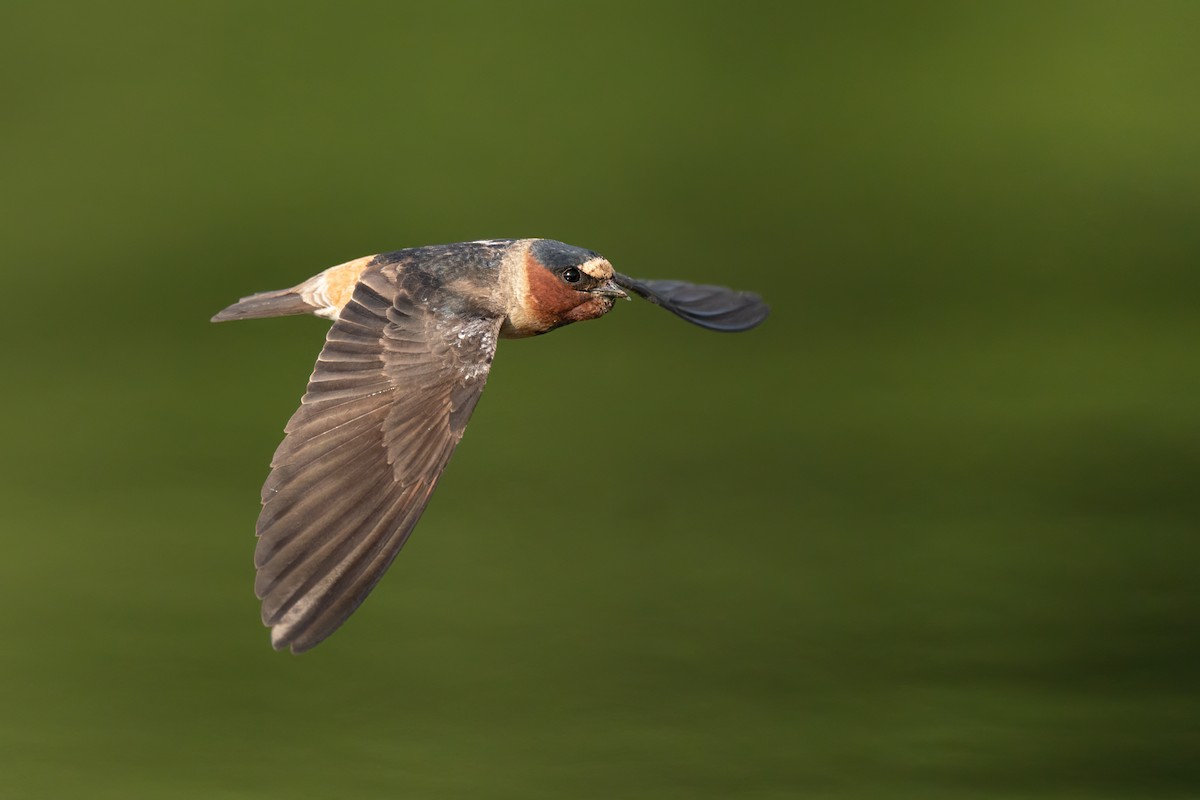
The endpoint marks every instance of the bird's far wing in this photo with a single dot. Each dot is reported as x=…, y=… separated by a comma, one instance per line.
x=714, y=307
x=386, y=404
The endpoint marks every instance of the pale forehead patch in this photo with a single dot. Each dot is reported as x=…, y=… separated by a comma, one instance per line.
x=598, y=268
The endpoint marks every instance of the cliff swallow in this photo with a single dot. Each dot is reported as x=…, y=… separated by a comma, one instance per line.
x=403, y=365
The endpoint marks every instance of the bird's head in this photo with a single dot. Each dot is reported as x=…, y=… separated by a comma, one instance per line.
x=557, y=284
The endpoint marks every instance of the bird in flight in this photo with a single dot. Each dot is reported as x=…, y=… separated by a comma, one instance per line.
x=413, y=336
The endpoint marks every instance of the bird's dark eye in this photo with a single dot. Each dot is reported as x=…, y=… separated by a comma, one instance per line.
x=571, y=275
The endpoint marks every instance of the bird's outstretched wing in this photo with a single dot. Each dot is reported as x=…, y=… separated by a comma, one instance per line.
x=386, y=404
x=714, y=307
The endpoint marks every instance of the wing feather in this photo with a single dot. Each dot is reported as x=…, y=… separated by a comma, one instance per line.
x=385, y=407
x=714, y=307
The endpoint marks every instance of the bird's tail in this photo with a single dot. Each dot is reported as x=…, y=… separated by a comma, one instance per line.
x=279, y=303
x=323, y=294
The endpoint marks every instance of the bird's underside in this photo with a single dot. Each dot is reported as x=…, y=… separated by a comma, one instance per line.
x=389, y=398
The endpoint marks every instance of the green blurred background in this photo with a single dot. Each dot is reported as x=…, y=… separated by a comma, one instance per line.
x=929, y=532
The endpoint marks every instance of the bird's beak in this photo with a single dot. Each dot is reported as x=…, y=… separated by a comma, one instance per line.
x=610, y=289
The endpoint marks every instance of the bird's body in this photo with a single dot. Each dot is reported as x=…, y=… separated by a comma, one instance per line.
x=412, y=342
